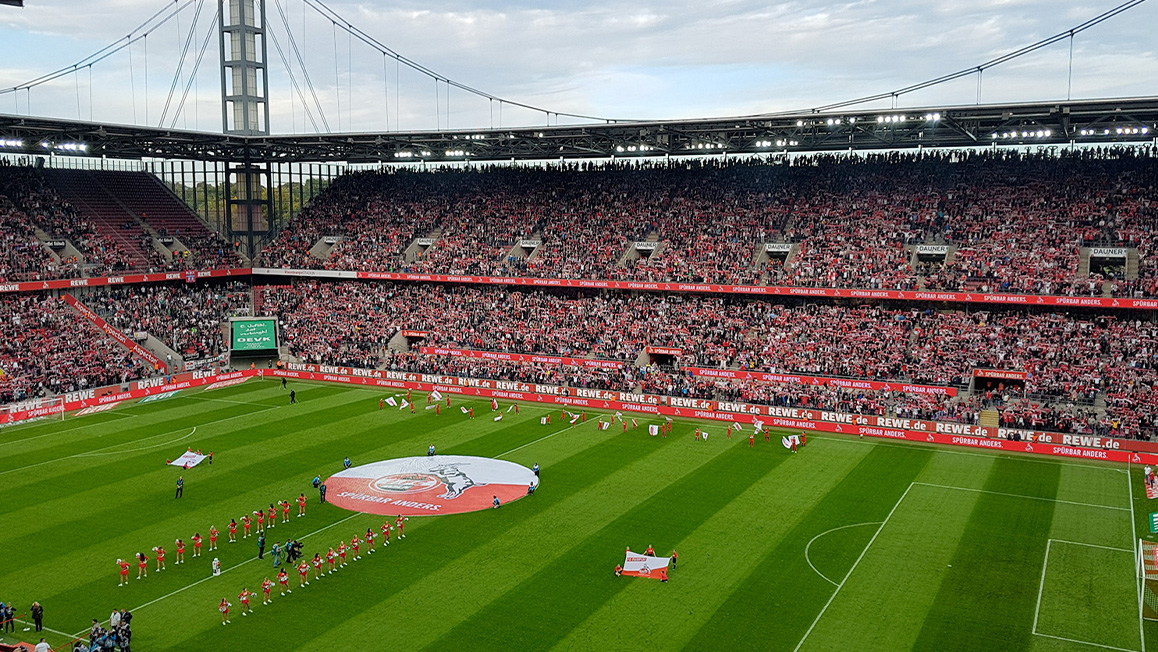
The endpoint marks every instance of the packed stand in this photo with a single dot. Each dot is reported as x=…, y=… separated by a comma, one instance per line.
x=187, y=318
x=47, y=348
x=1015, y=220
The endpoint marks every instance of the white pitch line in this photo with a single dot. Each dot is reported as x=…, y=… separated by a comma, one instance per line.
x=941, y=448
x=96, y=450
x=1002, y=493
x=1041, y=586
x=234, y=567
x=54, y=631
x=854, y=565
x=1093, y=545
x=137, y=450
x=1074, y=640
x=538, y=440
x=1136, y=551
x=809, y=545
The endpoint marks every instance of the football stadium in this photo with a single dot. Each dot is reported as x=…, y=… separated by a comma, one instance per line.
x=342, y=366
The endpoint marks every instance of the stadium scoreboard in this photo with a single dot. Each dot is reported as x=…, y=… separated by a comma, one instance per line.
x=253, y=337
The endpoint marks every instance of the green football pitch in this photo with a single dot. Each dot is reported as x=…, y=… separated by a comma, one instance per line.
x=848, y=545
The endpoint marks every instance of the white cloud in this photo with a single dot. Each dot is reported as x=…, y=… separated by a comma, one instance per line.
x=614, y=58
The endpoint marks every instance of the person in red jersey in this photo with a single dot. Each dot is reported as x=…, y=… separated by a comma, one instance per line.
x=180, y=551
x=516, y=409
x=301, y=505
x=213, y=534
x=271, y=520
x=618, y=570
x=408, y=397
x=232, y=530
x=752, y=440
x=246, y=525
x=370, y=540
x=437, y=410
x=448, y=400
x=266, y=587
x=675, y=556
x=400, y=523
x=260, y=520
x=283, y=580
x=650, y=552
x=386, y=533
x=160, y=558
x=124, y=571
x=625, y=426
x=197, y=544
x=342, y=553
x=304, y=572
x=729, y=432
x=471, y=412
x=331, y=560
x=697, y=433
x=224, y=609
x=244, y=596
x=411, y=408
x=584, y=416
x=285, y=508
x=317, y=566
x=356, y=547
x=767, y=435
x=142, y=565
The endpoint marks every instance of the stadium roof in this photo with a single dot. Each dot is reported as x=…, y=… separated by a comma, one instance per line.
x=1039, y=123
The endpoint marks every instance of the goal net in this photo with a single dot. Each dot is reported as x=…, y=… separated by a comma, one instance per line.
x=34, y=410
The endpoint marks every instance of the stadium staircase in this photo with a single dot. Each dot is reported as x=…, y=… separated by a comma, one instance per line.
x=155, y=204
x=631, y=253
x=1131, y=264
x=107, y=217
x=989, y=418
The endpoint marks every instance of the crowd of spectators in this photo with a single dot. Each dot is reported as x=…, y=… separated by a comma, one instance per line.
x=47, y=348
x=1015, y=221
x=187, y=318
x=29, y=201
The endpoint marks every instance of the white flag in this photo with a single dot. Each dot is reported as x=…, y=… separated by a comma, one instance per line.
x=653, y=430
x=391, y=402
x=511, y=408
x=736, y=425
x=404, y=405
x=543, y=421
x=436, y=395
x=604, y=425
x=575, y=418
x=431, y=407
x=463, y=409
x=499, y=418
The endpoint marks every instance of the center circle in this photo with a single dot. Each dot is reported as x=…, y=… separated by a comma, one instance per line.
x=425, y=486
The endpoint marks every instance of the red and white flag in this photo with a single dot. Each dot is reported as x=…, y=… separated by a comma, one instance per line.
x=404, y=405
x=436, y=395
x=646, y=566
x=494, y=404
x=391, y=402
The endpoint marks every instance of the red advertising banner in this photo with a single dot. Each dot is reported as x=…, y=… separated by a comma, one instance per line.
x=66, y=283
x=523, y=357
x=761, y=290
x=908, y=429
x=664, y=350
x=1000, y=373
x=955, y=434
x=793, y=379
x=115, y=333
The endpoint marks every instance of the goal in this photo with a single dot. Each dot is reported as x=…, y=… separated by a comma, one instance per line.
x=34, y=410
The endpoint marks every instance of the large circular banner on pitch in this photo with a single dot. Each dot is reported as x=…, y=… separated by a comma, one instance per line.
x=423, y=486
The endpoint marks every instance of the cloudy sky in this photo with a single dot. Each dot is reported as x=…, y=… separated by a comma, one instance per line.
x=627, y=59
